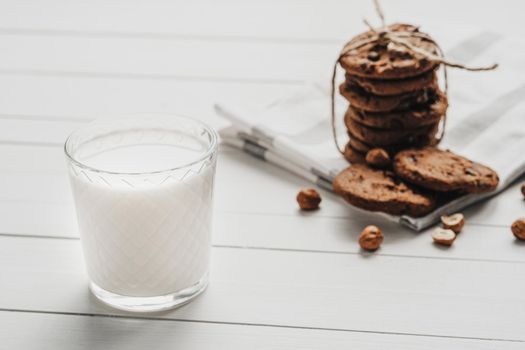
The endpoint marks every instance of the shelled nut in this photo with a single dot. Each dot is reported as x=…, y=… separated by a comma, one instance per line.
x=308, y=199
x=518, y=228
x=443, y=236
x=378, y=158
x=454, y=222
x=371, y=238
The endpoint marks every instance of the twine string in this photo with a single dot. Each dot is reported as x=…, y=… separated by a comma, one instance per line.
x=380, y=13
x=384, y=36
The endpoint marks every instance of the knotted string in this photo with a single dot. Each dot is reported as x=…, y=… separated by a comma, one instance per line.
x=384, y=36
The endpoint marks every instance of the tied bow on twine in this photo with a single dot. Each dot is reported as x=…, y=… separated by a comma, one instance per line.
x=384, y=36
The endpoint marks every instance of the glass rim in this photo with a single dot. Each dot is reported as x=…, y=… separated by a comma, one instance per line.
x=212, y=148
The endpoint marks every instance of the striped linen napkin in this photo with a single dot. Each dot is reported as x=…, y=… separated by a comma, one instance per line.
x=486, y=122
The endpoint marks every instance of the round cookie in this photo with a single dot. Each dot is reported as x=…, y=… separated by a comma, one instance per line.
x=385, y=137
x=409, y=119
x=352, y=155
x=378, y=190
x=392, y=150
x=444, y=171
x=382, y=87
x=373, y=103
x=359, y=145
x=388, y=61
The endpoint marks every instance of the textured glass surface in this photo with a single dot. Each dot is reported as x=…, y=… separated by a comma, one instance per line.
x=143, y=194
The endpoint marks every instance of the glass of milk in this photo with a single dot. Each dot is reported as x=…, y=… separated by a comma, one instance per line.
x=143, y=194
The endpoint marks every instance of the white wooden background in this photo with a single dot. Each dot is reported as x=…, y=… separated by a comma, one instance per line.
x=280, y=279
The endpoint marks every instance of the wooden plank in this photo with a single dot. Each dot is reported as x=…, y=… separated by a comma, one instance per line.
x=289, y=232
x=199, y=18
x=36, y=132
x=184, y=60
x=22, y=330
x=301, y=289
x=294, y=20
x=90, y=98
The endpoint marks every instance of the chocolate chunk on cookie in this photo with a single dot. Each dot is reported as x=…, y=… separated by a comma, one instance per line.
x=378, y=190
x=389, y=61
x=387, y=137
x=382, y=87
x=372, y=103
x=444, y=171
x=409, y=119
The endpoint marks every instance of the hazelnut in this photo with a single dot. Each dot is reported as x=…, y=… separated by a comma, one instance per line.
x=518, y=229
x=371, y=238
x=523, y=190
x=378, y=158
x=308, y=199
x=453, y=222
x=443, y=236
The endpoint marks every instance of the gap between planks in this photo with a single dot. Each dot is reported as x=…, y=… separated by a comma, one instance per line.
x=151, y=318
x=295, y=250
x=145, y=76
x=101, y=34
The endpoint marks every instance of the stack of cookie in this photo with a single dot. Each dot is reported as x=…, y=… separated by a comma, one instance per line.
x=395, y=112
x=395, y=100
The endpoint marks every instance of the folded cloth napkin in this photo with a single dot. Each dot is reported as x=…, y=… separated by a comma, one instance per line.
x=486, y=122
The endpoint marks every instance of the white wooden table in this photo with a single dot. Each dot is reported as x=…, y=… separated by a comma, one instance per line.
x=280, y=279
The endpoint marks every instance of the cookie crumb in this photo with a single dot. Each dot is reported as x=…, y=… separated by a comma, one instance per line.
x=371, y=238
x=308, y=199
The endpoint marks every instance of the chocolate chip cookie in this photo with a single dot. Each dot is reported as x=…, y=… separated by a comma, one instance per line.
x=382, y=87
x=373, y=103
x=388, y=60
x=392, y=150
x=378, y=190
x=408, y=119
x=444, y=171
x=358, y=145
x=352, y=155
x=387, y=137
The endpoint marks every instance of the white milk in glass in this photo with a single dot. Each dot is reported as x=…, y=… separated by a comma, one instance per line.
x=144, y=235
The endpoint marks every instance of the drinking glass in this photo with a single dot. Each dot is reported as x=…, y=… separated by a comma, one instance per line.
x=143, y=191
